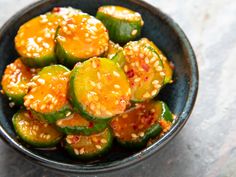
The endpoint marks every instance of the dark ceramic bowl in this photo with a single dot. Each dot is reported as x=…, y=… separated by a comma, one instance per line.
x=180, y=96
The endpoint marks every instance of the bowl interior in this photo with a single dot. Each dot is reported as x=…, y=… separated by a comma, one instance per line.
x=158, y=27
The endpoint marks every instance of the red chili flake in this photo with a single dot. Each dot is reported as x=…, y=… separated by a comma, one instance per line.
x=172, y=65
x=69, y=21
x=91, y=124
x=135, y=127
x=130, y=73
x=146, y=78
x=56, y=9
x=30, y=114
x=145, y=67
x=75, y=139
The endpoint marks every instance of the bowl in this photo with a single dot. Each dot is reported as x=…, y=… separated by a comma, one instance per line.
x=180, y=96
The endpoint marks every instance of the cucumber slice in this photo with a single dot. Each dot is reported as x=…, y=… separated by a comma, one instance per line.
x=168, y=69
x=99, y=89
x=123, y=24
x=144, y=70
x=88, y=147
x=35, y=40
x=47, y=94
x=76, y=124
x=35, y=132
x=15, y=79
x=115, y=53
x=79, y=38
x=134, y=128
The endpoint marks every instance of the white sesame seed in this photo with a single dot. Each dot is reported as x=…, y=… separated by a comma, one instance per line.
x=134, y=32
x=99, y=75
x=99, y=85
x=98, y=146
x=41, y=81
x=116, y=86
x=11, y=104
x=47, y=35
x=115, y=73
x=154, y=92
x=141, y=134
x=137, y=79
x=162, y=74
x=125, y=68
x=133, y=135
x=103, y=141
x=146, y=95
x=39, y=39
x=155, y=82
x=152, y=59
x=81, y=151
x=76, y=151
x=92, y=83
x=46, y=45
x=67, y=114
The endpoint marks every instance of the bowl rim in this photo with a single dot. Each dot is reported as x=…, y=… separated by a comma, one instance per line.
x=138, y=157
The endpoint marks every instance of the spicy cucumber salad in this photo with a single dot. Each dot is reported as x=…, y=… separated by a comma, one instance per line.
x=87, y=83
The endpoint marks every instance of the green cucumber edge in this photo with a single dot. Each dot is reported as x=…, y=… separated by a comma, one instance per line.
x=96, y=154
x=30, y=142
x=123, y=26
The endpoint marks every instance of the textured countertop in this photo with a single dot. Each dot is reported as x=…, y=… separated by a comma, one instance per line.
x=206, y=147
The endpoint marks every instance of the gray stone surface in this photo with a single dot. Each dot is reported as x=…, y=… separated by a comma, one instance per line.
x=206, y=147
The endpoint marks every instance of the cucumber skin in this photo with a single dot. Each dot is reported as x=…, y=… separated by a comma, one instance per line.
x=141, y=142
x=119, y=58
x=28, y=141
x=120, y=30
x=16, y=98
x=82, y=130
x=91, y=156
x=65, y=58
x=39, y=62
x=52, y=117
x=78, y=107
x=166, y=115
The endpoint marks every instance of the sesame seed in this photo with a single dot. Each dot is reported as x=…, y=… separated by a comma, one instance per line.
x=92, y=107
x=146, y=61
x=47, y=35
x=137, y=79
x=116, y=86
x=99, y=75
x=141, y=134
x=41, y=81
x=92, y=83
x=81, y=151
x=125, y=68
x=67, y=114
x=103, y=141
x=134, y=32
x=39, y=39
x=109, y=113
x=46, y=45
x=146, y=95
x=48, y=137
x=76, y=151
x=152, y=59
x=99, y=85
x=94, y=65
x=156, y=63
x=154, y=92
x=153, y=110
x=162, y=74
x=116, y=74
x=133, y=135
x=155, y=82
x=159, y=68
x=68, y=140
x=98, y=146
x=141, y=55
x=11, y=104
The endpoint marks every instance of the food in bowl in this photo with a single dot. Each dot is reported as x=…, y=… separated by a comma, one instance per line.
x=110, y=91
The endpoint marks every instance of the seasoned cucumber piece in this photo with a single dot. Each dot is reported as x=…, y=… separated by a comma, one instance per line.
x=76, y=124
x=15, y=81
x=99, y=89
x=168, y=68
x=47, y=93
x=35, y=40
x=144, y=70
x=79, y=38
x=34, y=131
x=133, y=129
x=88, y=147
x=115, y=52
x=123, y=24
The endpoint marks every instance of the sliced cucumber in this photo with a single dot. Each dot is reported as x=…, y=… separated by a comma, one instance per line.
x=135, y=128
x=35, y=132
x=99, y=89
x=88, y=147
x=76, y=124
x=144, y=70
x=168, y=69
x=15, y=81
x=47, y=96
x=79, y=38
x=123, y=24
x=35, y=40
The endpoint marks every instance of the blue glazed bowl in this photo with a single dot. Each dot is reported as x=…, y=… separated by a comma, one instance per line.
x=180, y=96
